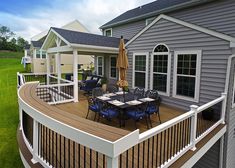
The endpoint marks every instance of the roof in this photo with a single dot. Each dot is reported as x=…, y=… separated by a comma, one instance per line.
x=74, y=37
x=27, y=47
x=150, y=10
x=37, y=44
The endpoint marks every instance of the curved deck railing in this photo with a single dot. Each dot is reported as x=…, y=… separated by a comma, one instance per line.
x=55, y=141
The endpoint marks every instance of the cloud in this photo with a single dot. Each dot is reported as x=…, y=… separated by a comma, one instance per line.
x=91, y=13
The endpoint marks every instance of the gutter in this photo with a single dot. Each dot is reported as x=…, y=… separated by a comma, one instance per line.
x=151, y=14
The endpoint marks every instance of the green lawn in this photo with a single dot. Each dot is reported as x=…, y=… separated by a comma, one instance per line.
x=10, y=54
x=9, y=118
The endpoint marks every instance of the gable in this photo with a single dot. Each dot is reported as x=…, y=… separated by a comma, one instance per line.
x=184, y=24
x=53, y=39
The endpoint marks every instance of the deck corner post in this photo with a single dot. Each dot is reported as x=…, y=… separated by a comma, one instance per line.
x=193, y=127
x=112, y=162
x=35, y=142
x=223, y=107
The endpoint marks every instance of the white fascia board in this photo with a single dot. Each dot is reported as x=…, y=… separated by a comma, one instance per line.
x=192, y=26
x=93, y=48
x=59, y=49
x=193, y=160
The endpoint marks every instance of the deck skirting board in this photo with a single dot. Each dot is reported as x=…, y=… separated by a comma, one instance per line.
x=25, y=163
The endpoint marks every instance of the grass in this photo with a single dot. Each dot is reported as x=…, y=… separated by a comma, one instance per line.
x=9, y=118
x=10, y=54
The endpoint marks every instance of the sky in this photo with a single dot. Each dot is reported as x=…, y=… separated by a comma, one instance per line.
x=27, y=18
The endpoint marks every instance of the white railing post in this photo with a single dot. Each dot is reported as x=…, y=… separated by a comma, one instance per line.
x=48, y=68
x=20, y=117
x=223, y=110
x=112, y=162
x=35, y=142
x=194, y=126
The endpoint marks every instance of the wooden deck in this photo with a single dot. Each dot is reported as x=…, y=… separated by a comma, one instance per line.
x=62, y=152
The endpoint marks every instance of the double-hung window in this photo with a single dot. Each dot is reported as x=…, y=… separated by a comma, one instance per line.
x=140, y=70
x=160, y=69
x=187, y=75
x=100, y=65
x=113, y=69
x=38, y=53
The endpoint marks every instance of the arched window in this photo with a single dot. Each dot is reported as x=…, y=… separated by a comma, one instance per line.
x=160, y=72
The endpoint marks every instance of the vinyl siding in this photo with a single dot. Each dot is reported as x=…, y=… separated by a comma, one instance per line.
x=215, y=53
x=128, y=30
x=230, y=117
x=211, y=158
x=217, y=15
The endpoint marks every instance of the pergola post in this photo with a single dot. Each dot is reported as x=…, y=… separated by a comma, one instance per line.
x=58, y=66
x=75, y=75
x=48, y=68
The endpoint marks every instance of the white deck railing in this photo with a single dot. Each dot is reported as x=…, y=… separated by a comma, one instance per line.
x=181, y=131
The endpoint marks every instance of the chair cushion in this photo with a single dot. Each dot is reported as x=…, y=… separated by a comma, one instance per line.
x=109, y=113
x=94, y=107
x=136, y=115
x=151, y=109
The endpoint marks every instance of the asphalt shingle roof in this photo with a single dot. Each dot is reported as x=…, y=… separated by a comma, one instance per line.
x=37, y=44
x=88, y=38
x=149, y=8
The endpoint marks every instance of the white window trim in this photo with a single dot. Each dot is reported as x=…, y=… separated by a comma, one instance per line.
x=108, y=30
x=110, y=68
x=233, y=103
x=146, y=70
x=97, y=65
x=197, y=76
x=167, y=93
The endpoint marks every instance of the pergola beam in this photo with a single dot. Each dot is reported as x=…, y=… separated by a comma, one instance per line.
x=60, y=49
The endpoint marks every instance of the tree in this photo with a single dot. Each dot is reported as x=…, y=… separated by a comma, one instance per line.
x=21, y=42
x=5, y=33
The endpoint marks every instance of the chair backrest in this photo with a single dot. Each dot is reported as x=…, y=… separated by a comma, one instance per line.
x=139, y=92
x=112, y=88
x=90, y=84
x=97, y=92
x=152, y=94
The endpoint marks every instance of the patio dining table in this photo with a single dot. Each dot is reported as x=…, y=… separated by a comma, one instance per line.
x=123, y=101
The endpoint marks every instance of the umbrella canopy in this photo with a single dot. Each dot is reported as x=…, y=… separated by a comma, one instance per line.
x=122, y=64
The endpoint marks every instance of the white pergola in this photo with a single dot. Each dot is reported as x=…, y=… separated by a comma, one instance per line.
x=55, y=44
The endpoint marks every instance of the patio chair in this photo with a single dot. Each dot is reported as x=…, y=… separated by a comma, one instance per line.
x=88, y=86
x=108, y=112
x=93, y=104
x=112, y=88
x=138, y=93
x=153, y=106
x=137, y=113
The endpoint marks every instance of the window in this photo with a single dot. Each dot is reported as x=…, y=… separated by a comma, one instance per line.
x=148, y=21
x=43, y=54
x=187, y=75
x=100, y=66
x=113, y=69
x=108, y=32
x=140, y=71
x=38, y=54
x=160, y=69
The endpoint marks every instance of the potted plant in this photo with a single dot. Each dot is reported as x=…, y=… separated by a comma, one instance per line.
x=104, y=82
x=208, y=114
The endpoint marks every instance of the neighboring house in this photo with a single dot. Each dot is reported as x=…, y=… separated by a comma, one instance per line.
x=38, y=56
x=183, y=48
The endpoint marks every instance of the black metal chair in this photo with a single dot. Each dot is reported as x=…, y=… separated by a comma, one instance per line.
x=112, y=88
x=153, y=106
x=138, y=93
x=93, y=104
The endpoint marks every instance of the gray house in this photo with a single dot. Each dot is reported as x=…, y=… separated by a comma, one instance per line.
x=185, y=49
